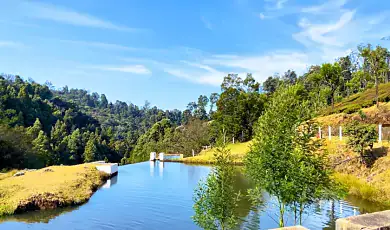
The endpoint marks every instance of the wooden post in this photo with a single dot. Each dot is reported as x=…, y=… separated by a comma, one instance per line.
x=340, y=133
x=319, y=132
x=233, y=140
x=330, y=132
x=193, y=153
x=380, y=133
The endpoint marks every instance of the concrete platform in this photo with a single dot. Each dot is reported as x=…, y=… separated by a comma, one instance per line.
x=376, y=220
x=109, y=168
x=298, y=227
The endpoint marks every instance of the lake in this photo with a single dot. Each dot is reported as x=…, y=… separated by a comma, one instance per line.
x=157, y=195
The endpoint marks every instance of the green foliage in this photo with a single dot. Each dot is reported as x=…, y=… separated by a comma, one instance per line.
x=361, y=136
x=284, y=160
x=239, y=106
x=360, y=100
x=215, y=200
x=90, y=150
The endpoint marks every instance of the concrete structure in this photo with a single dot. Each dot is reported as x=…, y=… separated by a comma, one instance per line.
x=376, y=220
x=298, y=227
x=152, y=156
x=109, y=168
x=161, y=156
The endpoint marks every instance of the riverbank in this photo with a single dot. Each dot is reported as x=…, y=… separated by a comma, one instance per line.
x=238, y=151
x=48, y=188
x=371, y=182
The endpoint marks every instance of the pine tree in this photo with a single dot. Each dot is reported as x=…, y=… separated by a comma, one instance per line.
x=35, y=129
x=90, y=150
x=42, y=147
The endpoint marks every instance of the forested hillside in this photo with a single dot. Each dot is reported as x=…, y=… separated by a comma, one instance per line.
x=41, y=125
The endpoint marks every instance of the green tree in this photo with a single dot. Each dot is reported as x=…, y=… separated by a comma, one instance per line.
x=215, y=200
x=278, y=161
x=331, y=74
x=35, y=129
x=90, y=150
x=75, y=146
x=42, y=147
x=375, y=60
x=361, y=136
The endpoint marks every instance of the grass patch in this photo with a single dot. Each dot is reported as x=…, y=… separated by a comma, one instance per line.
x=237, y=150
x=361, y=100
x=47, y=188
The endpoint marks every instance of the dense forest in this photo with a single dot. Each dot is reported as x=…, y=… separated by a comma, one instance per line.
x=41, y=125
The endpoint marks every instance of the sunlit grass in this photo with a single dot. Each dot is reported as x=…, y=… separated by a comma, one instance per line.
x=64, y=186
x=238, y=151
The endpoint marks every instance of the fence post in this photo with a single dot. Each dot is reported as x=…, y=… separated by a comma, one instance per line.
x=380, y=133
x=340, y=133
x=319, y=132
x=233, y=140
x=193, y=153
x=330, y=132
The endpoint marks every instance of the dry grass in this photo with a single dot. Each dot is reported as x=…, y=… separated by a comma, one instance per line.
x=64, y=186
x=374, y=116
x=371, y=183
x=237, y=150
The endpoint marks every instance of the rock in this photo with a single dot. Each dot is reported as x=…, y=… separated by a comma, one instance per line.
x=48, y=170
x=21, y=173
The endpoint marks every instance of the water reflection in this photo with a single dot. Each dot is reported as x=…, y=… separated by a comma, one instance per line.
x=157, y=195
x=111, y=182
x=43, y=216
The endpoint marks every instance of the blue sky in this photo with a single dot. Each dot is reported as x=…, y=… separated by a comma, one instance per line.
x=169, y=52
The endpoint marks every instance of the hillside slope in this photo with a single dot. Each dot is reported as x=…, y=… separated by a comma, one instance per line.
x=360, y=100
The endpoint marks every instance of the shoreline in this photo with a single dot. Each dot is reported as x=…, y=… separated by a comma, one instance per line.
x=49, y=188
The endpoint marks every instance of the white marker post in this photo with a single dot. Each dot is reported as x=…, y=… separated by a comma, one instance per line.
x=330, y=132
x=340, y=133
x=319, y=133
x=380, y=133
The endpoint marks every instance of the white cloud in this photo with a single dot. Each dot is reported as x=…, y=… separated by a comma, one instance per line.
x=327, y=7
x=262, y=16
x=135, y=69
x=323, y=34
x=277, y=4
x=109, y=46
x=10, y=44
x=67, y=16
x=206, y=23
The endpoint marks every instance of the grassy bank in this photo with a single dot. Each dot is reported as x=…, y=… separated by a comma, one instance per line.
x=370, y=182
x=237, y=150
x=47, y=188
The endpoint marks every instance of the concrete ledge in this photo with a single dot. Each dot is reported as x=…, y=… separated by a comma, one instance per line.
x=298, y=227
x=372, y=221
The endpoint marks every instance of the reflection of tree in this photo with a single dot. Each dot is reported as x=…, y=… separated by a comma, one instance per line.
x=43, y=216
x=331, y=223
x=215, y=198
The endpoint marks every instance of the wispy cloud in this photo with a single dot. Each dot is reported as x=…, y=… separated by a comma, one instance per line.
x=102, y=45
x=68, y=16
x=11, y=44
x=206, y=23
x=135, y=69
x=327, y=7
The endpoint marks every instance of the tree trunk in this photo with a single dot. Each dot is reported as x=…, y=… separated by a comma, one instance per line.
x=377, y=91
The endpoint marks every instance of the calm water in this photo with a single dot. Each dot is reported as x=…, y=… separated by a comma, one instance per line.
x=155, y=195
